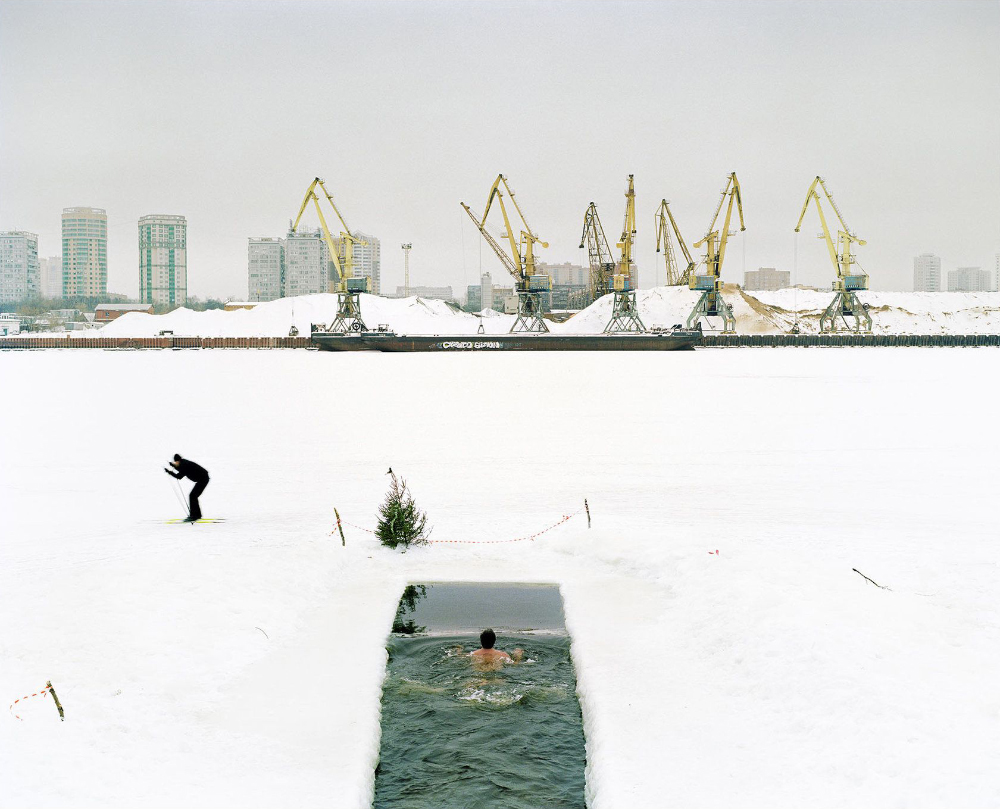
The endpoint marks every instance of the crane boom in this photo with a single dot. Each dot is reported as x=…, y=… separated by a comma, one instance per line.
x=711, y=302
x=344, y=269
x=602, y=265
x=334, y=257
x=663, y=217
x=845, y=303
x=347, y=287
x=716, y=240
x=506, y=260
x=627, y=240
x=520, y=262
x=840, y=253
x=624, y=307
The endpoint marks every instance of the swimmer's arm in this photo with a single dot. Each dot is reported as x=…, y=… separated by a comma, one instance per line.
x=516, y=655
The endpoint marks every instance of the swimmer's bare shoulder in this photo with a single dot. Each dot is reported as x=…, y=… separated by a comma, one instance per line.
x=491, y=656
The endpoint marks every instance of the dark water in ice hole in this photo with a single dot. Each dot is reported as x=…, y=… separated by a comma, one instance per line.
x=454, y=736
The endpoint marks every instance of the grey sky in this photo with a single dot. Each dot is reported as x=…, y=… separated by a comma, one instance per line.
x=224, y=112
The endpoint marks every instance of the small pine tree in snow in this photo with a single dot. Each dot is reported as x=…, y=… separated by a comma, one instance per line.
x=399, y=520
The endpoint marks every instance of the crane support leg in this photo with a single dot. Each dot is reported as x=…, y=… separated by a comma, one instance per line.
x=348, y=313
x=529, y=313
x=624, y=314
x=711, y=304
x=845, y=305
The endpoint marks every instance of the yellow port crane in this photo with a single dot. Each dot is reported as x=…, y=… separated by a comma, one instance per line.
x=845, y=303
x=624, y=311
x=531, y=286
x=347, y=287
x=664, y=222
x=602, y=264
x=711, y=303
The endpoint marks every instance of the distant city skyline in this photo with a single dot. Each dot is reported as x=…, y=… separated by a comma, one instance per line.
x=910, y=155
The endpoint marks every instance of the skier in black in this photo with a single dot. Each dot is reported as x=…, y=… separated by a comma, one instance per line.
x=198, y=475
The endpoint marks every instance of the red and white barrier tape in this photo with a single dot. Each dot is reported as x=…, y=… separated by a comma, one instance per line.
x=359, y=527
x=566, y=518
x=43, y=692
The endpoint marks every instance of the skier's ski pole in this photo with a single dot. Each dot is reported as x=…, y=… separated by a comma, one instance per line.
x=180, y=496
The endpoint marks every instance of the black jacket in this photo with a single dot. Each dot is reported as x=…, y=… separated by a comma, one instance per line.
x=191, y=470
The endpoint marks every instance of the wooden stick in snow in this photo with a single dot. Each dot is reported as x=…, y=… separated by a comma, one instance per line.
x=862, y=575
x=52, y=691
x=340, y=528
x=587, y=506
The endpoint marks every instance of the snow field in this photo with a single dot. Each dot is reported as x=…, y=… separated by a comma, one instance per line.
x=769, y=675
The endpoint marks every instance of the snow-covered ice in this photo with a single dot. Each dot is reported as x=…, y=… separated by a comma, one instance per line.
x=239, y=664
x=755, y=313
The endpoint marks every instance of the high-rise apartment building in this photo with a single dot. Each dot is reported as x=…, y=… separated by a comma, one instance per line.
x=308, y=268
x=20, y=278
x=85, y=252
x=766, y=279
x=367, y=260
x=163, y=260
x=266, y=269
x=566, y=274
x=486, y=291
x=996, y=274
x=927, y=273
x=969, y=279
x=51, y=272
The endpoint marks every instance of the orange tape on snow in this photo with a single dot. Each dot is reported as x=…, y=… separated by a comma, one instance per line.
x=43, y=692
x=566, y=518
x=359, y=527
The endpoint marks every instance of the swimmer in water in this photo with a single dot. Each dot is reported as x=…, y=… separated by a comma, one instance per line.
x=489, y=658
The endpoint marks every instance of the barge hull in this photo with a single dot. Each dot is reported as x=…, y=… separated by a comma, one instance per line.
x=388, y=341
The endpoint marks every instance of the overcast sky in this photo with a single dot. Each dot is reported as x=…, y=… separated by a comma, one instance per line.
x=224, y=112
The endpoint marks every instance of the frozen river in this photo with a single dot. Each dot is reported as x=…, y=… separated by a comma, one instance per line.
x=240, y=664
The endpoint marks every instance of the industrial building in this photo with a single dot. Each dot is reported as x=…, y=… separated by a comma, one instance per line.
x=431, y=293
x=766, y=279
x=106, y=312
x=20, y=276
x=163, y=260
x=927, y=273
x=85, y=252
x=487, y=295
x=969, y=279
x=9, y=324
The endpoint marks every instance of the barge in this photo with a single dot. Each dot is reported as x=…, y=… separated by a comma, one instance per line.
x=385, y=340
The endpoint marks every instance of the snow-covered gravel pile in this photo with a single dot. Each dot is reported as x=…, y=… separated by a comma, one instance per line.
x=755, y=312
x=239, y=664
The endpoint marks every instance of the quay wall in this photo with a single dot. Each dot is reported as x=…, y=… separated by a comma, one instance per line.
x=709, y=341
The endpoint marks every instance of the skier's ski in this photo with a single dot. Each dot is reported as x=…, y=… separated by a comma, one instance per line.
x=182, y=520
